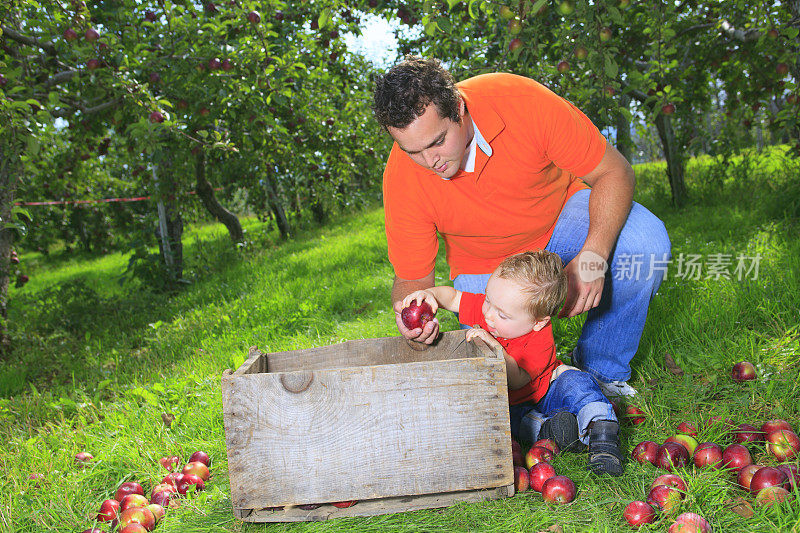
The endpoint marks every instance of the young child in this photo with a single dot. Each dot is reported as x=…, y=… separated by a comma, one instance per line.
x=548, y=398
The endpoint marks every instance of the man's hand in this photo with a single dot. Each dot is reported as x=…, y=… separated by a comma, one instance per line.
x=586, y=277
x=424, y=335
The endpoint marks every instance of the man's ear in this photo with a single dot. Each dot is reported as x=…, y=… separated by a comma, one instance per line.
x=540, y=324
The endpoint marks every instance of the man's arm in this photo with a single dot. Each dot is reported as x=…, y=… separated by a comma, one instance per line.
x=613, y=183
x=402, y=288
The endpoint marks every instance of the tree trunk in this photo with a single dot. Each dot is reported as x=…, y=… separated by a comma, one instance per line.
x=276, y=207
x=170, y=245
x=624, y=142
x=9, y=163
x=206, y=194
x=674, y=160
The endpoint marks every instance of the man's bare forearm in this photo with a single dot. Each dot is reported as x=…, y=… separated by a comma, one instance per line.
x=403, y=287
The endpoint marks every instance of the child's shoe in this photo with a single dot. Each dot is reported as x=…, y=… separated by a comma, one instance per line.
x=563, y=429
x=605, y=456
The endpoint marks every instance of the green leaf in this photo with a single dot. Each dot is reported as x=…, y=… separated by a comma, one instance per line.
x=611, y=68
x=539, y=4
x=430, y=29
x=452, y=3
x=324, y=18
x=32, y=145
x=444, y=24
x=20, y=212
x=791, y=32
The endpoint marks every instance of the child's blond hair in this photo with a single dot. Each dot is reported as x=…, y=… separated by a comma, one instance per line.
x=542, y=277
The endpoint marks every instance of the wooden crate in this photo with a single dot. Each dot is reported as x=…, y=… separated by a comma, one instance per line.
x=372, y=420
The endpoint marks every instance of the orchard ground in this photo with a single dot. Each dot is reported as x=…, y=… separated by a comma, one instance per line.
x=98, y=363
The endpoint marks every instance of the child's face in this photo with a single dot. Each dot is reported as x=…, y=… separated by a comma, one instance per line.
x=504, y=309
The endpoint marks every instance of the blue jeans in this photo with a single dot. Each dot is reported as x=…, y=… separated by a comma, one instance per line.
x=572, y=391
x=611, y=334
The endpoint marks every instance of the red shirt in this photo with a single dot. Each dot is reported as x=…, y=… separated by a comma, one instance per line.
x=534, y=352
x=541, y=145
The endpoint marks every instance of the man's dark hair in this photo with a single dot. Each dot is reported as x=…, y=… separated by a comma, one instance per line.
x=403, y=93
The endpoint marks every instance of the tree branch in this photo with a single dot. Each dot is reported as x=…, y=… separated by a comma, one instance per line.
x=60, y=77
x=87, y=110
x=739, y=35
x=14, y=35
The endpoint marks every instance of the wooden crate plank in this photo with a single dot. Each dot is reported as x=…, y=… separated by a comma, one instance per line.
x=367, y=432
x=367, y=352
x=375, y=507
x=254, y=363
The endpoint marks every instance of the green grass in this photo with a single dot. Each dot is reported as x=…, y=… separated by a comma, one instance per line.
x=97, y=362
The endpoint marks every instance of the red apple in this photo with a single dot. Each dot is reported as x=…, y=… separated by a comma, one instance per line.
x=772, y=425
x=747, y=433
x=254, y=17
x=214, y=63
x=792, y=474
x=129, y=501
x=669, y=479
x=156, y=117
x=91, y=35
x=635, y=415
x=668, y=109
x=687, y=428
x=129, y=487
x=416, y=316
x=638, y=513
x=687, y=441
x=93, y=64
x=563, y=66
x=538, y=454
x=736, y=456
x=197, y=468
x=645, y=452
x=708, y=454
x=690, y=523
x=70, y=35
x=743, y=371
x=163, y=487
x=172, y=478
x=672, y=455
x=81, y=458
x=521, y=479
x=540, y=473
x=767, y=476
x=190, y=482
x=745, y=476
x=93, y=530
x=163, y=497
x=203, y=457
x=516, y=453
x=344, y=505
x=782, y=69
x=134, y=527
x=169, y=462
x=226, y=65
x=137, y=515
x=558, y=489
x=550, y=444
x=771, y=495
x=109, y=510
x=150, y=15
x=783, y=444
x=665, y=497
x=157, y=510
x=514, y=44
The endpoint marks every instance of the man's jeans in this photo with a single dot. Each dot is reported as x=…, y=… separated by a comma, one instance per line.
x=572, y=391
x=612, y=331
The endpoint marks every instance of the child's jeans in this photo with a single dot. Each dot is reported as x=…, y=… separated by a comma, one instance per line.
x=573, y=391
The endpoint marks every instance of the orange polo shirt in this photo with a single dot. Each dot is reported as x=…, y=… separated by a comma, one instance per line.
x=541, y=144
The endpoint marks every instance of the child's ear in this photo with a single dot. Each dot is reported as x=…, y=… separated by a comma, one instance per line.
x=540, y=324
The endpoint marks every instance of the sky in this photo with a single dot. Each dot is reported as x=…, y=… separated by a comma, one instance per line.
x=376, y=42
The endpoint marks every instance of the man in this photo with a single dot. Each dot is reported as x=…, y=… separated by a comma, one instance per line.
x=497, y=165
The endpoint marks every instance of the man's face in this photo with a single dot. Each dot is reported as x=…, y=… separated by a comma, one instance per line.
x=436, y=143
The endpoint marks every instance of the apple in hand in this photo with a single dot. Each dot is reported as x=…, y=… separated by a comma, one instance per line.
x=129, y=487
x=708, y=454
x=109, y=510
x=536, y=455
x=646, y=452
x=540, y=473
x=558, y=489
x=736, y=457
x=783, y=444
x=638, y=513
x=521, y=479
x=416, y=316
x=743, y=371
x=767, y=476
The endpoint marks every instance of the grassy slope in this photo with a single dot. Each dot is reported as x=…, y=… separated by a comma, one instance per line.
x=104, y=363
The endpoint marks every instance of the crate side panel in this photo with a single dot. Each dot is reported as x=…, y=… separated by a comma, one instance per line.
x=367, y=432
x=369, y=352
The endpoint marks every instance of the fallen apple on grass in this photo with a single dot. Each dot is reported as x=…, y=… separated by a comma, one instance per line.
x=665, y=497
x=690, y=523
x=137, y=515
x=201, y=456
x=775, y=424
x=767, y=476
x=417, y=315
x=687, y=441
x=134, y=528
x=645, y=452
x=671, y=480
x=634, y=415
x=736, y=457
x=708, y=454
x=792, y=474
x=672, y=455
x=197, y=468
x=170, y=462
x=163, y=498
x=190, y=482
x=133, y=500
x=521, y=479
x=771, y=495
x=745, y=476
x=540, y=473
x=743, y=371
x=158, y=511
x=536, y=455
x=687, y=428
x=558, y=489
x=783, y=444
x=550, y=444
x=109, y=510
x=638, y=513
x=81, y=458
x=129, y=487
x=747, y=433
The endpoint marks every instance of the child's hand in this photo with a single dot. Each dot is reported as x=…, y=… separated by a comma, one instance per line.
x=421, y=296
x=485, y=336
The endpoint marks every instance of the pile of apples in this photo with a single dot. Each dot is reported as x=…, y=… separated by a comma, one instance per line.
x=533, y=470
x=768, y=484
x=131, y=512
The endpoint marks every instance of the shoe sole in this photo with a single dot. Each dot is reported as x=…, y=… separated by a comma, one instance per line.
x=563, y=428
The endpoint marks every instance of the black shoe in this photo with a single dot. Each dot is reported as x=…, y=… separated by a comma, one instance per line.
x=563, y=429
x=605, y=456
